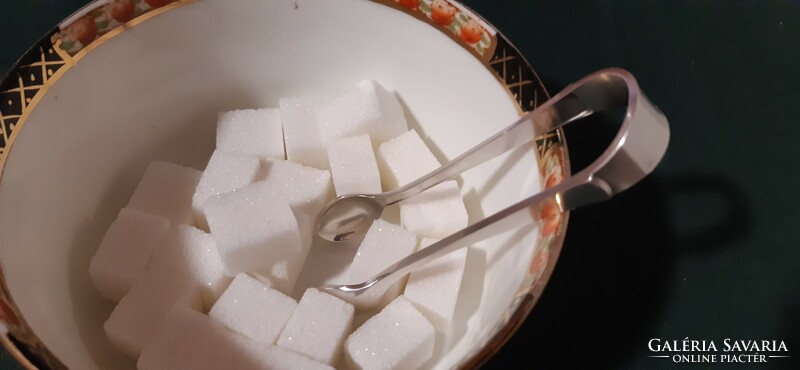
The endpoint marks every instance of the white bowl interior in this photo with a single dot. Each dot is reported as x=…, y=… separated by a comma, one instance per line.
x=152, y=93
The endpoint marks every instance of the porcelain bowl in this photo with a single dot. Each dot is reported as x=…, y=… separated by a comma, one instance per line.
x=124, y=82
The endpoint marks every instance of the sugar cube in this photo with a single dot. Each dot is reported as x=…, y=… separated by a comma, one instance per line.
x=279, y=358
x=304, y=143
x=353, y=166
x=366, y=109
x=226, y=171
x=256, y=132
x=398, y=337
x=139, y=313
x=166, y=189
x=436, y=212
x=434, y=287
x=288, y=264
x=384, y=244
x=307, y=189
x=193, y=341
x=305, y=224
x=124, y=252
x=404, y=159
x=253, y=309
x=318, y=327
x=180, y=343
x=254, y=229
x=191, y=252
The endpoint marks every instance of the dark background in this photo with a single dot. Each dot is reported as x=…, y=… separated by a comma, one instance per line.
x=708, y=247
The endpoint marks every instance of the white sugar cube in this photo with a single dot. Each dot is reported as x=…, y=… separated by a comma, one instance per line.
x=181, y=342
x=398, y=337
x=125, y=251
x=307, y=189
x=256, y=132
x=193, y=341
x=304, y=143
x=191, y=252
x=305, y=224
x=353, y=166
x=226, y=171
x=404, y=159
x=366, y=109
x=253, y=309
x=278, y=358
x=434, y=287
x=139, y=313
x=254, y=229
x=188, y=339
x=384, y=244
x=318, y=327
x=436, y=212
x=166, y=189
x=286, y=265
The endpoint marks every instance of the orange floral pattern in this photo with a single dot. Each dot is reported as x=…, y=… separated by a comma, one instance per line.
x=552, y=166
x=101, y=20
x=455, y=18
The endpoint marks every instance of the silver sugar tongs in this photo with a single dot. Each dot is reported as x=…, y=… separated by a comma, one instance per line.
x=633, y=153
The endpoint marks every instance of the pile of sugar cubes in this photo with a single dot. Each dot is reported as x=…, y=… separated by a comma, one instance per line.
x=202, y=263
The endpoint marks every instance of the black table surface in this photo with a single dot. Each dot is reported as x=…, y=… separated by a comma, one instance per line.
x=707, y=247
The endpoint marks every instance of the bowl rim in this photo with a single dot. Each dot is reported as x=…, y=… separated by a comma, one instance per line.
x=58, y=50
